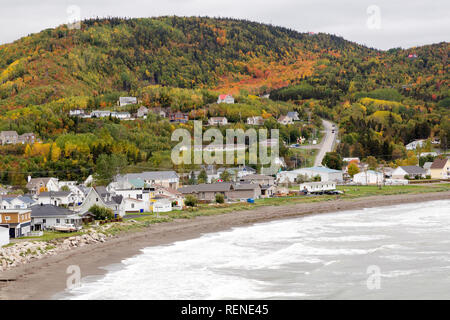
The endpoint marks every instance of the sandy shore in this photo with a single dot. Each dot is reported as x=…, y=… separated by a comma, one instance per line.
x=42, y=279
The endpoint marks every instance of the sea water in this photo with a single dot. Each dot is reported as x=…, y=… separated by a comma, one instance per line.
x=394, y=252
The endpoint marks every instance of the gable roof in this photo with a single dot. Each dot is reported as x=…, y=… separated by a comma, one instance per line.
x=55, y=194
x=48, y=210
x=150, y=175
x=439, y=163
x=414, y=169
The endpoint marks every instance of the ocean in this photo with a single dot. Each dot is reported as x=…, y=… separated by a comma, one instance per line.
x=395, y=252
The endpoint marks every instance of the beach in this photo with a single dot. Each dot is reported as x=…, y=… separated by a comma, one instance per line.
x=42, y=279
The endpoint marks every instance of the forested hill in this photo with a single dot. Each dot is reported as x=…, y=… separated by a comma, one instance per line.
x=108, y=55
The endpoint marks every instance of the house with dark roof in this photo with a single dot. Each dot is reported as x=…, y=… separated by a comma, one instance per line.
x=168, y=179
x=411, y=171
x=46, y=216
x=18, y=202
x=440, y=169
x=38, y=185
x=58, y=198
x=230, y=191
x=101, y=197
x=260, y=179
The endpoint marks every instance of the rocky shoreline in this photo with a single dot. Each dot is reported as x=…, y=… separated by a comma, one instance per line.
x=27, y=251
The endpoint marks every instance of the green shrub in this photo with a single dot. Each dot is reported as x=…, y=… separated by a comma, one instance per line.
x=220, y=198
x=191, y=201
x=101, y=213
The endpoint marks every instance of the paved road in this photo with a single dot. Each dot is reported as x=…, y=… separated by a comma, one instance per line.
x=327, y=143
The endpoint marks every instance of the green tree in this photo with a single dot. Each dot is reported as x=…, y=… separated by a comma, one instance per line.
x=332, y=160
x=202, y=177
x=225, y=176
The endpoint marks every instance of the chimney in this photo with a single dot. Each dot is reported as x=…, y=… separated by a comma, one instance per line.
x=29, y=178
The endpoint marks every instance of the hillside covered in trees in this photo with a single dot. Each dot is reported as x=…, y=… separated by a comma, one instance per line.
x=381, y=99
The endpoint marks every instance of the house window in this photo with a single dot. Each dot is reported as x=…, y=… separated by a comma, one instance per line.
x=7, y=218
x=139, y=196
x=96, y=199
x=132, y=206
x=57, y=220
x=44, y=220
x=67, y=221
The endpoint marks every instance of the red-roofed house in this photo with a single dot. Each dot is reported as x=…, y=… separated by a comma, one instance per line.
x=225, y=98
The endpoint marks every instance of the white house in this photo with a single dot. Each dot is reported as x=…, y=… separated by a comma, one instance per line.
x=411, y=171
x=293, y=115
x=325, y=174
x=131, y=205
x=255, y=121
x=19, y=202
x=4, y=236
x=285, y=120
x=142, y=112
x=123, y=101
x=161, y=204
x=314, y=187
x=168, y=179
x=100, y=113
x=121, y=115
x=36, y=185
x=58, y=198
x=76, y=113
x=415, y=144
x=217, y=121
x=368, y=177
x=46, y=216
x=99, y=196
x=225, y=98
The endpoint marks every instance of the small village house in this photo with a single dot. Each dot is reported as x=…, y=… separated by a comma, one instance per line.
x=324, y=173
x=368, y=177
x=58, y=198
x=427, y=167
x=142, y=112
x=169, y=179
x=440, y=169
x=217, y=121
x=255, y=121
x=100, y=113
x=121, y=115
x=415, y=144
x=285, y=120
x=46, y=216
x=230, y=191
x=19, y=202
x=17, y=220
x=76, y=113
x=101, y=197
x=124, y=101
x=38, y=185
x=12, y=137
x=410, y=171
x=259, y=179
x=180, y=117
x=225, y=98
x=293, y=115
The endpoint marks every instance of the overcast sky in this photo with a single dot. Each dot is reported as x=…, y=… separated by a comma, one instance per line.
x=381, y=24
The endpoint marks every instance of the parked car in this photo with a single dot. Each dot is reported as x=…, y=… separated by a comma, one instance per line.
x=334, y=192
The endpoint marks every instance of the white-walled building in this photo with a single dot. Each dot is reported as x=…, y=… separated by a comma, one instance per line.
x=46, y=216
x=4, y=236
x=36, y=185
x=19, y=202
x=313, y=187
x=411, y=171
x=325, y=174
x=415, y=144
x=58, y=198
x=225, y=98
x=368, y=177
x=217, y=121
